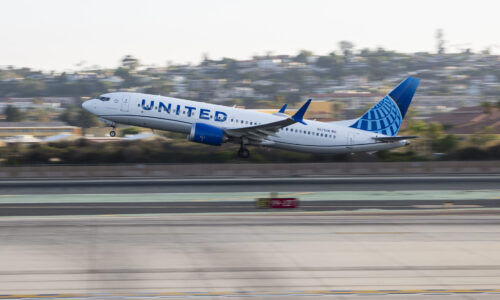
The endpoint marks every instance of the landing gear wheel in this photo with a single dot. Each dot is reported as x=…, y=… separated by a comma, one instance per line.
x=243, y=153
x=112, y=133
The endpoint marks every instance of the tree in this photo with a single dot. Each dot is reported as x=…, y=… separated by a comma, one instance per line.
x=346, y=48
x=331, y=62
x=76, y=116
x=37, y=101
x=130, y=130
x=482, y=136
x=418, y=127
x=435, y=131
x=13, y=114
x=487, y=107
x=303, y=55
x=130, y=62
x=440, y=41
x=446, y=144
x=122, y=72
x=87, y=120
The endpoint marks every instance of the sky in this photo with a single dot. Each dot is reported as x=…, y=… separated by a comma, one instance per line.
x=60, y=34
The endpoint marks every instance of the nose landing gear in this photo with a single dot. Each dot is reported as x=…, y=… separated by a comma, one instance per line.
x=111, y=124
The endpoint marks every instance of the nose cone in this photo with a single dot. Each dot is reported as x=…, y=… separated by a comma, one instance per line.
x=89, y=105
x=85, y=105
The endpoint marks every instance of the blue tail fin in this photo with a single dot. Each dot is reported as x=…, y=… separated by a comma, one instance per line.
x=387, y=116
x=282, y=109
x=299, y=115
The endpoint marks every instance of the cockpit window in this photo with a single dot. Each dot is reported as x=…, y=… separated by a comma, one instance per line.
x=104, y=98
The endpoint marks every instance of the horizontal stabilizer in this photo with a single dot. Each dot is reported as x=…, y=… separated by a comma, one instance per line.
x=388, y=139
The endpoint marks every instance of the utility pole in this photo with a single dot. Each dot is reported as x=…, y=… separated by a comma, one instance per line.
x=440, y=41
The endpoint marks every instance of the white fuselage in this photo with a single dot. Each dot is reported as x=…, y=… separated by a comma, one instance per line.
x=178, y=115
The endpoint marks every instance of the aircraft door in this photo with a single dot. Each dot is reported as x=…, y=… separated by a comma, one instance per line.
x=125, y=103
x=350, y=139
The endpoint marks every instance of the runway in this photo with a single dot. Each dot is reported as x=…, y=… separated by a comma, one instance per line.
x=143, y=238
x=55, y=209
x=214, y=256
x=229, y=202
x=246, y=184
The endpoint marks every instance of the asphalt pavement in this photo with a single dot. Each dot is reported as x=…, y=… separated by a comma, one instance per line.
x=246, y=184
x=116, y=208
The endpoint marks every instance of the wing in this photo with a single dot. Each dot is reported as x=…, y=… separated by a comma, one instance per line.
x=389, y=139
x=259, y=132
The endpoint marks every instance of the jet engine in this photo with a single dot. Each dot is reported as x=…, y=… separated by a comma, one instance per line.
x=207, y=134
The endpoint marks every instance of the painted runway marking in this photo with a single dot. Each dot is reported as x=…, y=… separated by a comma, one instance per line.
x=418, y=195
x=249, y=294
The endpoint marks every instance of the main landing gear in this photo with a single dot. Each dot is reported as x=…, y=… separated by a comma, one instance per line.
x=243, y=152
x=112, y=133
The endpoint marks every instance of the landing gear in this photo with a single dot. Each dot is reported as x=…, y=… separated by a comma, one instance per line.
x=243, y=152
x=112, y=133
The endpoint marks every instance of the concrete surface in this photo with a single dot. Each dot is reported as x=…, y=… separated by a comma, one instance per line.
x=254, y=170
x=265, y=256
x=388, y=195
x=155, y=203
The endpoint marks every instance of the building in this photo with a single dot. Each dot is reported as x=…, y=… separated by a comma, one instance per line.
x=351, y=100
x=36, y=102
x=469, y=120
x=36, y=129
x=321, y=111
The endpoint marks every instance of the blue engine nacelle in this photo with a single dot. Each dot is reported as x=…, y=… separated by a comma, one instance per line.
x=206, y=134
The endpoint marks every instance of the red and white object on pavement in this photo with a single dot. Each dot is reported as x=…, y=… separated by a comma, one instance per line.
x=283, y=203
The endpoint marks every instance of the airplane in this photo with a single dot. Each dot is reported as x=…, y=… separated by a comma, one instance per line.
x=215, y=125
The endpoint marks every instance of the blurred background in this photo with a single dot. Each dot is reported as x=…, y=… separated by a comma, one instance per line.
x=150, y=215
x=254, y=55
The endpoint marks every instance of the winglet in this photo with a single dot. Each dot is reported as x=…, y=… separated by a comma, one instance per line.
x=299, y=115
x=282, y=110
